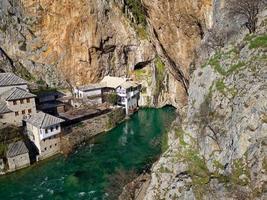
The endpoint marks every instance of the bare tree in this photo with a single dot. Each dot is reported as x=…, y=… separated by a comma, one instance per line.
x=249, y=9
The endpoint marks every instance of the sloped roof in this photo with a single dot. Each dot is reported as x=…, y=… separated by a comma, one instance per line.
x=8, y=79
x=15, y=94
x=113, y=82
x=3, y=107
x=129, y=84
x=16, y=148
x=92, y=86
x=43, y=120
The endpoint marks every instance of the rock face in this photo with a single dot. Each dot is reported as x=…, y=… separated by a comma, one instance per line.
x=79, y=42
x=218, y=147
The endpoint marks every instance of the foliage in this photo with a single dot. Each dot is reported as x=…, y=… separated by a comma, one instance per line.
x=164, y=142
x=137, y=10
x=10, y=133
x=247, y=9
x=3, y=148
x=259, y=42
x=111, y=98
x=23, y=73
x=160, y=67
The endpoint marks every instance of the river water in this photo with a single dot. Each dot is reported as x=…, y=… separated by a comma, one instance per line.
x=87, y=173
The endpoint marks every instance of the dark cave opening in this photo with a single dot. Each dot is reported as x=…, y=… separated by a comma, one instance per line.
x=141, y=65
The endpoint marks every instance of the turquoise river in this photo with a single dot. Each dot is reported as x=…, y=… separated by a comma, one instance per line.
x=87, y=173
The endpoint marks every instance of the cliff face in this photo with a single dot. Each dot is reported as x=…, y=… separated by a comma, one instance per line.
x=218, y=144
x=79, y=42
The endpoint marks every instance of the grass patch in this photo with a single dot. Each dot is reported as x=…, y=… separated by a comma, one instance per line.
x=179, y=132
x=235, y=67
x=164, y=142
x=160, y=68
x=141, y=32
x=258, y=42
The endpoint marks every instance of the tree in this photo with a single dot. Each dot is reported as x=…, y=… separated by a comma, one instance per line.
x=112, y=98
x=249, y=9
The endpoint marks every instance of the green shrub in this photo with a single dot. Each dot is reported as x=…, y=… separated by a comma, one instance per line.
x=112, y=98
x=138, y=11
x=259, y=42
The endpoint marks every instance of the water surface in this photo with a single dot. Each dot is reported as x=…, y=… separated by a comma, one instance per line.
x=85, y=173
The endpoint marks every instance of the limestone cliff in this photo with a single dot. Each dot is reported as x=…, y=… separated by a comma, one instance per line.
x=66, y=42
x=218, y=145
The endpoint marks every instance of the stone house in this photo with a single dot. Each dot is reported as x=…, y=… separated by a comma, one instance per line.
x=10, y=80
x=16, y=104
x=16, y=101
x=17, y=156
x=44, y=131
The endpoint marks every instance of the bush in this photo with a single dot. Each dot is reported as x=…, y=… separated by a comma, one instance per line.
x=112, y=98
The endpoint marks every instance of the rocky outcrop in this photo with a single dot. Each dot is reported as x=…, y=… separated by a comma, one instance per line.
x=218, y=147
x=79, y=42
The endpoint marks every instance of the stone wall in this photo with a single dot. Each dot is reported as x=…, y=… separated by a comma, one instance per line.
x=82, y=132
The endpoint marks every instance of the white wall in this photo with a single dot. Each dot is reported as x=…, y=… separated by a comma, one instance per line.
x=54, y=131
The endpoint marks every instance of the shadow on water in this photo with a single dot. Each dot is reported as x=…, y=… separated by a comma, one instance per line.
x=90, y=173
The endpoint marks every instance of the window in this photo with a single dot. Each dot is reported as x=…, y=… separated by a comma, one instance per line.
x=50, y=146
x=23, y=112
x=15, y=102
x=57, y=127
x=29, y=111
x=28, y=100
x=46, y=130
x=16, y=113
x=21, y=101
x=45, y=148
x=51, y=129
x=55, y=144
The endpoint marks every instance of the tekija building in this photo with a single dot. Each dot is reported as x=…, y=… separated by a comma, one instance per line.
x=44, y=131
x=16, y=102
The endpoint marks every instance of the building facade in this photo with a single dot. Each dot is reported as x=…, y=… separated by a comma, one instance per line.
x=91, y=92
x=128, y=91
x=17, y=156
x=44, y=131
x=129, y=94
x=16, y=102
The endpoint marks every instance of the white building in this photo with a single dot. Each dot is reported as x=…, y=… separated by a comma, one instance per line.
x=129, y=94
x=127, y=91
x=92, y=92
x=44, y=131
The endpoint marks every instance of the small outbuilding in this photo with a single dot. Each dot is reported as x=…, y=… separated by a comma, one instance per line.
x=17, y=156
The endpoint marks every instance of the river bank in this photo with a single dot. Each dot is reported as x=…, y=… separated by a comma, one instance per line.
x=88, y=172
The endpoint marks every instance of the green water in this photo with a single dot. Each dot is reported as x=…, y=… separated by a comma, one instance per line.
x=84, y=174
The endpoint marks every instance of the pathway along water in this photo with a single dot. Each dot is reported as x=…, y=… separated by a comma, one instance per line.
x=86, y=173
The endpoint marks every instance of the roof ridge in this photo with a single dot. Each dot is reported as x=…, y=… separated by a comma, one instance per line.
x=12, y=92
x=43, y=120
